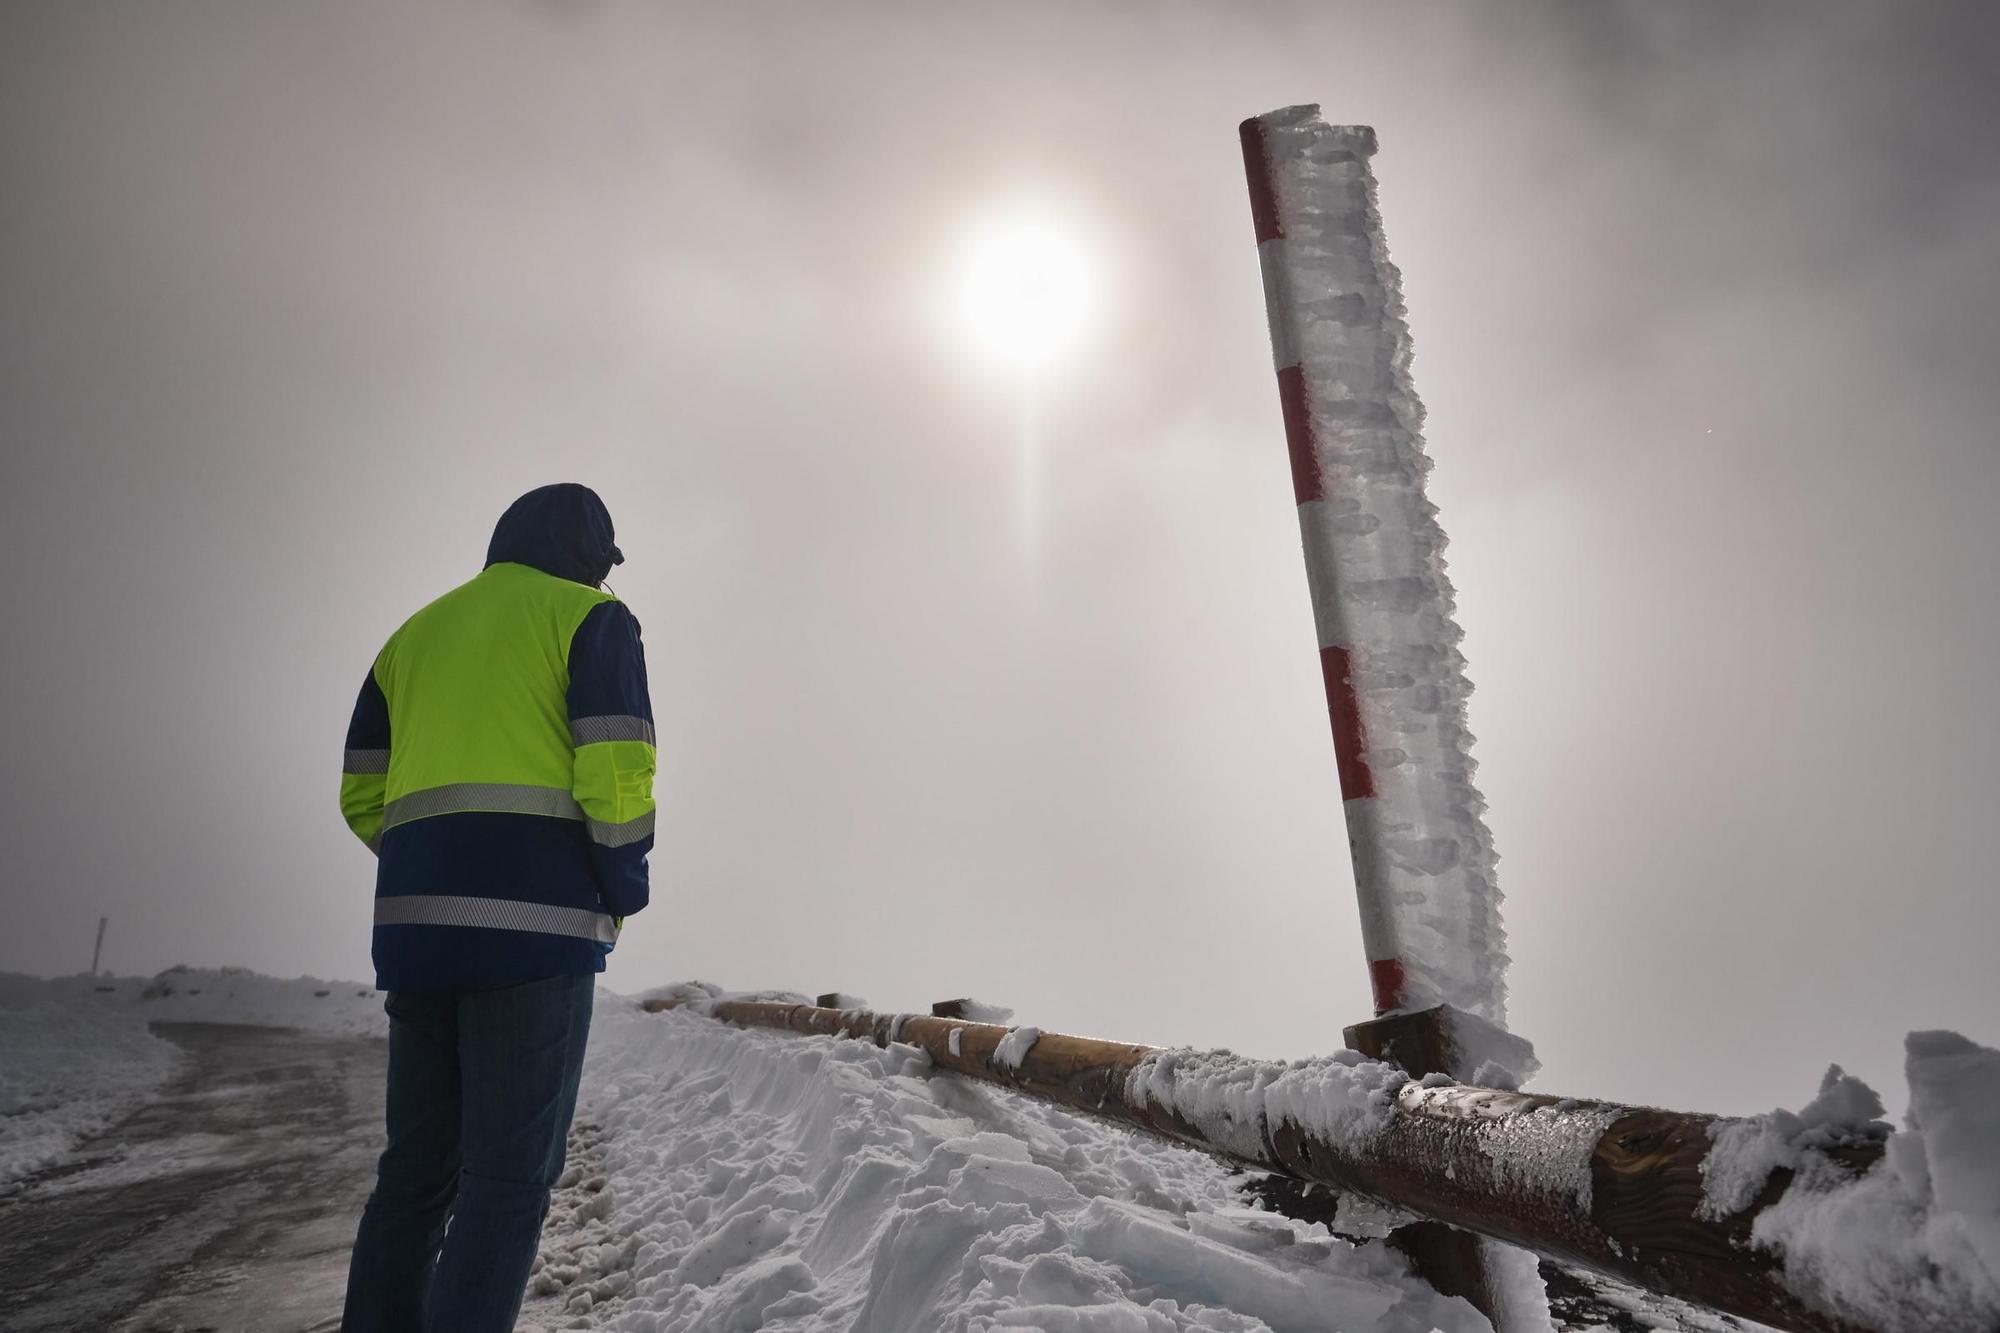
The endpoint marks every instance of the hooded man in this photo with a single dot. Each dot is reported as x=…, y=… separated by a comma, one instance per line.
x=500, y=764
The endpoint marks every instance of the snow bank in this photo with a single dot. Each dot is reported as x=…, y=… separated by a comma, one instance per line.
x=742, y=1179
x=76, y=1054
x=701, y=997
x=1915, y=1243
x=212, y=995
x=236, y=995
x=67, y=1071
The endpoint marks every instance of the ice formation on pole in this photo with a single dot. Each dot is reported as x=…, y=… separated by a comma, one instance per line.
x=1396, y=689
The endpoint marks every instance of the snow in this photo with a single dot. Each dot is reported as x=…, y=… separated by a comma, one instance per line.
x=1486, y=1055
x=1746, y=1152
x=701, y=997
x=1424, y=861
x=67, y=1072
x=842, y=1000
x=1359, y=1215
x=1514, y=1277
x=1955, y=1100
x=1915, y=1242
x=979, y=1011
x=237, y=995
x=1343, y=1099
x=741, y=1179
x=1014, y=1047
x=731, y=1178
x=76, y=1055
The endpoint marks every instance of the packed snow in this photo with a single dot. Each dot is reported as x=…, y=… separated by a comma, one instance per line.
x=76, y=1055
x=741, y=1179
x=1424, y=861
x=1913, y=1244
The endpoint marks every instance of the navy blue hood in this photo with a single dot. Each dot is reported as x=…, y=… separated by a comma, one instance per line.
x=563, y=530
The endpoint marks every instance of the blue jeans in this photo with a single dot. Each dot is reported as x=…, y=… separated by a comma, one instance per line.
x=482, y=1085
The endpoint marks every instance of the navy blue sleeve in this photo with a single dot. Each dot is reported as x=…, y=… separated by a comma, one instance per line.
x=368, y=728
x=611, y=726
x=364, y=768
x=607, y=666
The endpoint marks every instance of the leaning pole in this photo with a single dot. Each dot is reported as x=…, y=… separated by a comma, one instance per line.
x=1388, y=642
x=1388, y=649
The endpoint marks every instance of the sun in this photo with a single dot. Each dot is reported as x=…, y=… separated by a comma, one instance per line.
x=1027, y=293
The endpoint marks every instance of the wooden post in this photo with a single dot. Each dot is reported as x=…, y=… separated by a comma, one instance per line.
x=1436, y=1041
x=1503, y=1164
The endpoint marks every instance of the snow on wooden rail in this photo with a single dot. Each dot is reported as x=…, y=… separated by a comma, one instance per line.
x=1615, y=1188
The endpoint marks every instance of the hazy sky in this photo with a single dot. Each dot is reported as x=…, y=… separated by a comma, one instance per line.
x=1706, y=301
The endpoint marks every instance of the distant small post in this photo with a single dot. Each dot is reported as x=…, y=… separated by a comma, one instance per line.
x=97, y=954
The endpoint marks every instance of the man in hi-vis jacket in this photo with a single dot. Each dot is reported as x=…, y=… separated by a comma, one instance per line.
x=500, y=764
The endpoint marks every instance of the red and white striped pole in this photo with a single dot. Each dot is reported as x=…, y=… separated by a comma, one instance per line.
x=1388, y=644
x=1423, y=859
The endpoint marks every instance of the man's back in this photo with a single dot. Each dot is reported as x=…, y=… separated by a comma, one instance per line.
x=500, y=762
x=477, y=684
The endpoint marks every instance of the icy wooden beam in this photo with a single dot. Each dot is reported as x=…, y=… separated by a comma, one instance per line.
x=1615, y=1188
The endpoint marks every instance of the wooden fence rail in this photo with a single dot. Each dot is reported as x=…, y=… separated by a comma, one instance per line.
x=1614, y=1188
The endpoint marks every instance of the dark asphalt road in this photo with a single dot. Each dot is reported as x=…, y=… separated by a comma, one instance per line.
x=226, y=1205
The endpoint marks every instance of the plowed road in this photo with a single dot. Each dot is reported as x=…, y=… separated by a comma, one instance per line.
x=226, y=1205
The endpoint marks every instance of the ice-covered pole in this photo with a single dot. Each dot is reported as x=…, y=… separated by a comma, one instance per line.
x=1388, y=643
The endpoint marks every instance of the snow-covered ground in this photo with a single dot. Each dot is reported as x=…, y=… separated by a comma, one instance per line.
x=753, y=1180
x=724, y=1179
x=75, y=1054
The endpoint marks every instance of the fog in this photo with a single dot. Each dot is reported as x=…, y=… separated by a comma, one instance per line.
x=1705, y=302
